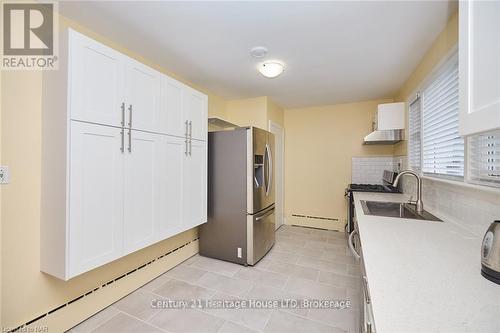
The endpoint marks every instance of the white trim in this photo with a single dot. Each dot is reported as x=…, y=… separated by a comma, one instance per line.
x=483, y=188
x=276, y=125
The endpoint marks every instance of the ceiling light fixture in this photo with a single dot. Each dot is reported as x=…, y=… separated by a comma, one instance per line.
x=258, y=52
x=271, y=69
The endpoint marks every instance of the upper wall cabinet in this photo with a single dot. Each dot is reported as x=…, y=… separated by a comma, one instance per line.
x=97, y=80
x=124, y=160
x=479, y=66
x=184, y=110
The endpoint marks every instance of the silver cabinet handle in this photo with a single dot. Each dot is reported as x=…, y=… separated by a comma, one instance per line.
x=190, y=146
x=351, y=245
x=130, y=116
x=129, y=140
x=186, y=150
x=190, y=130
x=123, y=114
x=186, y=133
x=122, y=148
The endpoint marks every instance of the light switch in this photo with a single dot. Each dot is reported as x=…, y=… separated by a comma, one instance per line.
x=4, y=174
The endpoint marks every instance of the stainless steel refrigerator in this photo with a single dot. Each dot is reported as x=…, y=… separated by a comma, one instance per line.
x=241, y=218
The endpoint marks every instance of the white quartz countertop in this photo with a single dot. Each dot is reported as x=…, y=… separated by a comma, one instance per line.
x=425, y=276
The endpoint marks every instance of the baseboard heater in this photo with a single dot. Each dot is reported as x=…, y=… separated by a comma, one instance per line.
x=316, y=217
x=104, y=285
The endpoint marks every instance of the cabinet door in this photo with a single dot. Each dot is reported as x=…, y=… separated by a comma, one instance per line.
x=143, y=97
x=141, y=188
x=195, y=110
x=96, y=75
x=172, y=119
x=479, y=32
x=171, y=162
x=95, y=196
x=195, y=185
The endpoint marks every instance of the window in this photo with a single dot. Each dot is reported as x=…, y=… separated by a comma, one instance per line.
x=442, y=146
x=484, y=158
x=415, y=141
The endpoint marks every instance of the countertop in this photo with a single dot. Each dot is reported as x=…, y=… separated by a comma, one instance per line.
x=425, y=276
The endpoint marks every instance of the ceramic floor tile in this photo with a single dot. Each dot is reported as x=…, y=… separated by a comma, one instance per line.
x=225, y=284
x=286, y=257
x=339, y=280
x=322, y=265
x=216, y=266
x=122, y=323
x=292, y=270
x=180, y=290
x=259, y=276
x=230, y=327
x=185, y=273
x=96, y=320
x=138, y=304
x=314, y=289
x=189, y=320
x=345, y=319
x=281, y=322
x=253, y=318
x=269, y=293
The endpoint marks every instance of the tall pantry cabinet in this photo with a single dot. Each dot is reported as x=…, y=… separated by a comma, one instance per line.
x=124, y=157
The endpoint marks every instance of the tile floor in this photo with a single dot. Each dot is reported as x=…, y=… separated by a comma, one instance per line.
x=304, y=264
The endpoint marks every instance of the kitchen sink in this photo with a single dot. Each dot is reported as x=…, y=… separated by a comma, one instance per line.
x=396, y=209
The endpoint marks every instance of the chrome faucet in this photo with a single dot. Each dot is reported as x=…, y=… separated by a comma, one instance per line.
x=418, y=203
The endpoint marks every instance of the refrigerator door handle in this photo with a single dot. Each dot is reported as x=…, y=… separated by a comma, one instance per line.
x=269, y=167
x=266, y=214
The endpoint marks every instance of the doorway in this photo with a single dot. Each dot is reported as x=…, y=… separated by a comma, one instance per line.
x=279, y=141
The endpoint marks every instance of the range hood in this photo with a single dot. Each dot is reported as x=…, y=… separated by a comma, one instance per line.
x=388, y=125
x=385, y=137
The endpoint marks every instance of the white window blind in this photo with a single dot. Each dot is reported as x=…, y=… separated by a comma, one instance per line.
x=442, y=146
x=484, y=158
x=415, y=141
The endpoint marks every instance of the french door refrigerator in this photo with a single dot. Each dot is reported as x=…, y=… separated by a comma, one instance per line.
x=241, y=218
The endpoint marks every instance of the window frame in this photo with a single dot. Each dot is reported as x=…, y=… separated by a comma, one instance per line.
x=466, y=180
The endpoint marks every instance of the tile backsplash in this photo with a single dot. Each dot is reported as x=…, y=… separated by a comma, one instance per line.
x=473, y=208
x=369, y=170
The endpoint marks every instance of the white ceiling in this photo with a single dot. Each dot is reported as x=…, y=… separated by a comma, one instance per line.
x=334, y=52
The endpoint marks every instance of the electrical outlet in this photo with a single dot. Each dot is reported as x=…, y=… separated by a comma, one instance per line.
x=4, y=174
x=239, y=252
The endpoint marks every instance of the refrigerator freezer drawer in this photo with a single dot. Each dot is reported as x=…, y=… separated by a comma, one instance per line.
x=260, y=234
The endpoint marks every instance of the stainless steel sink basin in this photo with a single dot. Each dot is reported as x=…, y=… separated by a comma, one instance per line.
x=396, y=209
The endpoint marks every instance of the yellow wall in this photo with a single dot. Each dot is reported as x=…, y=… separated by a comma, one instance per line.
x=442, y=46
x=25, y=291
x=254, y=112
x=275, y=113
x=319, y=145
x=248, y=112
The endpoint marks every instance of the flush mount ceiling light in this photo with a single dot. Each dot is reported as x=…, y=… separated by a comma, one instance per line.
x=258, y=52
x=271, y=69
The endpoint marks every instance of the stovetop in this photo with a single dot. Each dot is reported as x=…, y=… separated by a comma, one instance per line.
x=373, y=188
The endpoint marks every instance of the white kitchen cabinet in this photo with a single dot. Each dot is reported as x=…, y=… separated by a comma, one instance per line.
x=172, y=119
x=195, y=112
x=479, y=66
x=116, y=179
x=95, y=196
x=185, y=110
x=96, y=73
x=142, y=96
x=195, y=184
x=141, y=187
x=170, y=211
